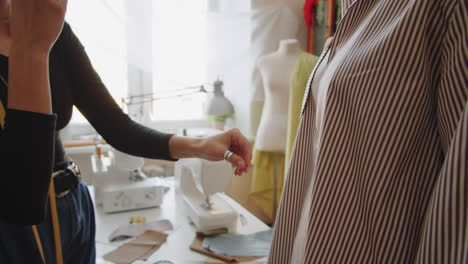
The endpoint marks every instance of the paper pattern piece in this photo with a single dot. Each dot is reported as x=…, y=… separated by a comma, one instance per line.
x=140, y=248
x=136, y=229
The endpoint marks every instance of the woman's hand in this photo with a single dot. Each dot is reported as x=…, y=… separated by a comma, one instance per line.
x=213, y=148
x=36, y=24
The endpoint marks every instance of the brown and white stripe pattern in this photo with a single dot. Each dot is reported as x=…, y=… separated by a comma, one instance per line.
x=389, y=181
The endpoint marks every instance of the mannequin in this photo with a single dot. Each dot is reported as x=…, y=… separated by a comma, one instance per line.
x=276, y=70
x=269, y=157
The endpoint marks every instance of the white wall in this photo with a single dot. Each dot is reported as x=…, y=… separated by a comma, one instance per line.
x=228, y=36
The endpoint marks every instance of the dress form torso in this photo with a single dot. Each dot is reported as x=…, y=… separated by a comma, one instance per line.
x=276, y=70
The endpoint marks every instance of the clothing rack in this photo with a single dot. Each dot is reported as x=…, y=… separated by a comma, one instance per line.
x=330, y=22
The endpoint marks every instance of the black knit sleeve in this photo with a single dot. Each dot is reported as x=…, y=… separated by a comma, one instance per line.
x=94, y=101
x=26, y=155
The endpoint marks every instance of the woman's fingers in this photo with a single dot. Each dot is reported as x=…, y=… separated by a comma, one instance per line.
x=241, y=146
x=237, y=161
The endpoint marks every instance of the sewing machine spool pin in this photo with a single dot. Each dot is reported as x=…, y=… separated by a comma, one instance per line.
x=207, y=205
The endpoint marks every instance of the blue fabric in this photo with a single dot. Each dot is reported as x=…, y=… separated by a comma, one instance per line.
x=253, y=245
x=77, y=230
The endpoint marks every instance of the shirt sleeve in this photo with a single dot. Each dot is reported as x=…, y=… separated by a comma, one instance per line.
x=444, y=237
x=26, y=154
x=95, y=102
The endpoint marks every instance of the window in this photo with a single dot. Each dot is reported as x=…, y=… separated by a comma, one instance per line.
x=101, y=29
x=180, y=52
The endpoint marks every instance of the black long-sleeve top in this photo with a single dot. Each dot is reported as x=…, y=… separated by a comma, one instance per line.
x=30, y=145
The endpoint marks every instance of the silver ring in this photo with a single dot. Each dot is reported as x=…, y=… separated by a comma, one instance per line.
x=227, y=155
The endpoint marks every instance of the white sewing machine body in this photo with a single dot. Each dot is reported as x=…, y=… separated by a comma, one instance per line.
x=200, y=183
x=120, y=185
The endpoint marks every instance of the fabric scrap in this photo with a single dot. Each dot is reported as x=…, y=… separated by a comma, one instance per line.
x=141, y=248
x=252, y=245
x=135, y=229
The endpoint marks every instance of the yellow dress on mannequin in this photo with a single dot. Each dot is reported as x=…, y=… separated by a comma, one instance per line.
x=267, y=181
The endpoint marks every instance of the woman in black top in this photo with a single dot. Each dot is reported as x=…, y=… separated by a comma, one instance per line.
x=30, y=146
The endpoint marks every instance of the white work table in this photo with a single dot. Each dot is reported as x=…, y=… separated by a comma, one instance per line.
x=177, y=247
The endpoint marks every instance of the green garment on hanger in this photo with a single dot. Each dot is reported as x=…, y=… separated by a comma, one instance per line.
x=304, y=66
x=267, y=181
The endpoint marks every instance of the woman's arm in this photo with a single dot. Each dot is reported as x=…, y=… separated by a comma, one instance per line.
x=27, y=140
x=94, y=101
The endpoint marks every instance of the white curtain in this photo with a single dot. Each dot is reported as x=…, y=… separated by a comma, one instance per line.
x=139, y=54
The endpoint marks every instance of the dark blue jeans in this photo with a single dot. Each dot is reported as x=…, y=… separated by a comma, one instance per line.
x=77, y=230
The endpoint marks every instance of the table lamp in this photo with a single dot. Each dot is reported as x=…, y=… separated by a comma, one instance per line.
x=219, y=108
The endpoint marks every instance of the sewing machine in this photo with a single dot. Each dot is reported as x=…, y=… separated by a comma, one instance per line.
x=200, y=183
x=121, y=185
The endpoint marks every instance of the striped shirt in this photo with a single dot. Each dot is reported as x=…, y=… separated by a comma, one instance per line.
x=379, y=168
